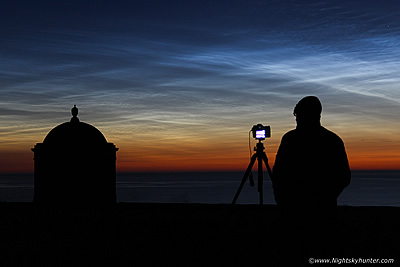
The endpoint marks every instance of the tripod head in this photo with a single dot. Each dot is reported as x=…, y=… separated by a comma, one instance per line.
x=259, y=148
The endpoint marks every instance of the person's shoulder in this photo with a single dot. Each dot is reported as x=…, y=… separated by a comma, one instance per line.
x=290, y=134
x=331, y=135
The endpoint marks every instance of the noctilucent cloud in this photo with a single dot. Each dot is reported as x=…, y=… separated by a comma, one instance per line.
x=177, y=85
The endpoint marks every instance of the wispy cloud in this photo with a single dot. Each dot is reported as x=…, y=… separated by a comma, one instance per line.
x=197, y=75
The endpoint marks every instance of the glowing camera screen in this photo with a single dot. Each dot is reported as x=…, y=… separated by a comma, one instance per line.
x=260, y=134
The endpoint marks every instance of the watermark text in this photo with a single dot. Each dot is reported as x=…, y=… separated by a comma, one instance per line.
x=349, y=261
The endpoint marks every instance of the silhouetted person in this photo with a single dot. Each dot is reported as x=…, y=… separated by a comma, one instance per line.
x=311, y=167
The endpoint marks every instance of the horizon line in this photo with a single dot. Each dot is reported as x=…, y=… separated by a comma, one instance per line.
x=188, y=171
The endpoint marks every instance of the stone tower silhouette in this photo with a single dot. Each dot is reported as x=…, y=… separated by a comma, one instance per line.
x=75, y=165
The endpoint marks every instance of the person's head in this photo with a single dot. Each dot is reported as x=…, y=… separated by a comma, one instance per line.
x=308, y=111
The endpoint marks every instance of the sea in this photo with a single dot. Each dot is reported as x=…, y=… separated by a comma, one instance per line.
x=367, y=188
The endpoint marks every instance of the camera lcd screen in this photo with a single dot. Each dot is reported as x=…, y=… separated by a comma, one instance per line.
x=260, y=134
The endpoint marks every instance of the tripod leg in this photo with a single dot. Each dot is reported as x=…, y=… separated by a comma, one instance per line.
x=260, y=180
x=265, y=159
x=246, y=174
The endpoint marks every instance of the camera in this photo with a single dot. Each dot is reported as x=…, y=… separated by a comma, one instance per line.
x=261, y=132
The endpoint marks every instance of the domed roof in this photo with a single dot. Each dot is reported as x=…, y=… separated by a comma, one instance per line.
x=75, y=132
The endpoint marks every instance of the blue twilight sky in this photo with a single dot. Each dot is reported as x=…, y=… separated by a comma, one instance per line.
x=181, y=76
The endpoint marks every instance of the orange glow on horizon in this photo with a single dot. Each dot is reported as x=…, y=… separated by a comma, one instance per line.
x=22, y=162
x=205, y=155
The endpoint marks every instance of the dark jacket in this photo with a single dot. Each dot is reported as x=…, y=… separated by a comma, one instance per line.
x=311, y=168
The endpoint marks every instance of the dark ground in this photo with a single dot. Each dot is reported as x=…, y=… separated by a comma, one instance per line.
x=192, y=235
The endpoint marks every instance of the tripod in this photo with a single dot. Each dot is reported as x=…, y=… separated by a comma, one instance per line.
x=260, y=156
